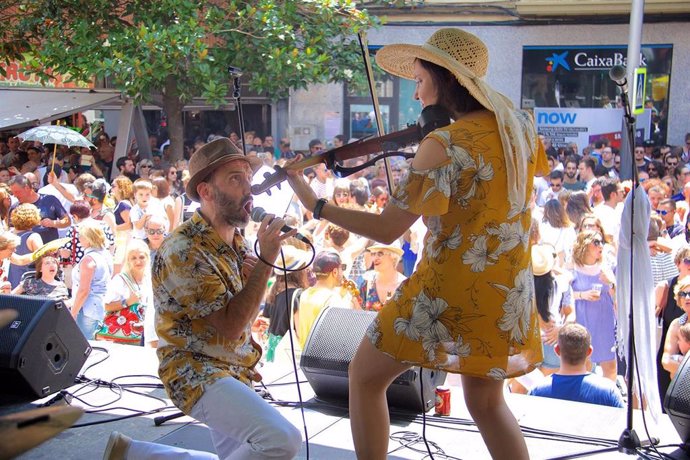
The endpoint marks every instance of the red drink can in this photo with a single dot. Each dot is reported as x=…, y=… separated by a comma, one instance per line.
x=442, y=400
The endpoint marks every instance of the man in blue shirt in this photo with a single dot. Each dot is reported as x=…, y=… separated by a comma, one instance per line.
x=53, y=215
x=572, y=381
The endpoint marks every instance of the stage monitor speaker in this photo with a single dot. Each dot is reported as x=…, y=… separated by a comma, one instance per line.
x=41, y=351
x=332, y=343
x=677, y=400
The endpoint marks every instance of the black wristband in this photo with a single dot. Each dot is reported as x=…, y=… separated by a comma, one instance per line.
x=319, y=207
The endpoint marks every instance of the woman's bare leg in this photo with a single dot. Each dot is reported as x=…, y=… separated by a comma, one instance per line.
x=371, y=372
x=499, y=429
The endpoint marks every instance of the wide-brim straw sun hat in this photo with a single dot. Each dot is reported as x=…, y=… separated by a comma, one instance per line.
x=295, y=259
x=449, y=48
x=210, y=157
x=467, y=58
x=394, y=247
x=543, y=259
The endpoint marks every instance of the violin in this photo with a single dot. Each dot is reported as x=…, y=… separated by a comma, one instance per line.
x=431, y=118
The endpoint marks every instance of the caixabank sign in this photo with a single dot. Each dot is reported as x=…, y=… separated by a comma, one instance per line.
x=577, y=76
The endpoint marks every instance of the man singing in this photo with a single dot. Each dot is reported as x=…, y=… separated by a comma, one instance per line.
x=208, y=287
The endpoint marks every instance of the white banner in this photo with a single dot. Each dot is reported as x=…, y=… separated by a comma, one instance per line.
x=585, y=126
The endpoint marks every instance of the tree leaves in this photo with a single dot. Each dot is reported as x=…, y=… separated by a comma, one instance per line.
x=136, y=44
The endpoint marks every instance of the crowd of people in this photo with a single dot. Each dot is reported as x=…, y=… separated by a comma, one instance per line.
x=576, y=216
x=107, y=229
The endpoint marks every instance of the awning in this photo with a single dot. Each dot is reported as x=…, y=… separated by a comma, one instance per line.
x=21, y=107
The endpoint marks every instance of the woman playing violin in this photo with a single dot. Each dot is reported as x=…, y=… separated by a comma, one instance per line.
x=468, y=307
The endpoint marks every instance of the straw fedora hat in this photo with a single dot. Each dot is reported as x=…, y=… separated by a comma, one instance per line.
x=394, y=247
x=210, y=157
x=543, y=259
x=450, y=48
x=295, y=259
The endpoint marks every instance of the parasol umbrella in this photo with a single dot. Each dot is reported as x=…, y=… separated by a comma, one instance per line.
x=51, y=246
x=54, y=134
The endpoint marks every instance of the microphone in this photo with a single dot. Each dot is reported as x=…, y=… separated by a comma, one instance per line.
x=258, y=215
x=618, y=74
x=235, y=72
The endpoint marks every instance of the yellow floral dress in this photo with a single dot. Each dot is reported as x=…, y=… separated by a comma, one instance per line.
x=469, y=307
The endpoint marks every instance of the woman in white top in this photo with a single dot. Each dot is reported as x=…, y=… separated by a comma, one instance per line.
x=557, y=230
x=133, y=286
x=172, y=205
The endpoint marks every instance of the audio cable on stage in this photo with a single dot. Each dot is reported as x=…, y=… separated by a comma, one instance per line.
x=290, y=312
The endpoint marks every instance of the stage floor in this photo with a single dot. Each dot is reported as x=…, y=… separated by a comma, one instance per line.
x=553, y=428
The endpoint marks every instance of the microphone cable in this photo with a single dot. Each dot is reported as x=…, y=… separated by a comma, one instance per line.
x=288, y=308
x=421, y=394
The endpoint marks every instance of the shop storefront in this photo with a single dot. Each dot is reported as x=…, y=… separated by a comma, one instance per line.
x=577, y=77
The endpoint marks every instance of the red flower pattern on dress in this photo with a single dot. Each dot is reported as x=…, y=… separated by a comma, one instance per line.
x=126, y=320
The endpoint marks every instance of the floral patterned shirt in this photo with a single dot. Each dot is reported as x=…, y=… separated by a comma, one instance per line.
x=195, y=273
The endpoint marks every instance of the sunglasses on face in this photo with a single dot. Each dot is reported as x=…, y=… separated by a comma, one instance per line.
x=155, y=231
x=598, y=243
x=661, y=212
x=686, y=261
x=378, y=254
x=684, y=294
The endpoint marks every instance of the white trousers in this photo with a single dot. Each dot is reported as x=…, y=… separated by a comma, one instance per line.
x=242, y=424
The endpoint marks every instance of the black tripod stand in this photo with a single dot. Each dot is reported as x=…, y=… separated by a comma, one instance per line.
x=629, y=443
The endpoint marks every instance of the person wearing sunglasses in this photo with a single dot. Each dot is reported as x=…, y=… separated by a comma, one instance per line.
x=555, y=186
x=668, y=310
x=156, y=231
x=594, y=291
x=671, y=161
x=673, y=353
x=656, y=169
x=667, y=212
x=144, y=168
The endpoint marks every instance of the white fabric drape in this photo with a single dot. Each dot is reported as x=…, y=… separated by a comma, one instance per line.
x=635, y=244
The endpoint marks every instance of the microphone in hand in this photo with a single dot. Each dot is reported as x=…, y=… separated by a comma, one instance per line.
x=258, y=215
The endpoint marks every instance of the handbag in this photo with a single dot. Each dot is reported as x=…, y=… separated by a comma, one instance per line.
x=125, y=325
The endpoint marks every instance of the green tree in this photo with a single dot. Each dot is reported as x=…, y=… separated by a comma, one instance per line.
x=167, y=51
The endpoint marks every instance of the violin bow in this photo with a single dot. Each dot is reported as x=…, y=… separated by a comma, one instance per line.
x=375, y=100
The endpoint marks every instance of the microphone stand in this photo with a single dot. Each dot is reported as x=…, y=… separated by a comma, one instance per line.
x=629, y=442
x=236, y=74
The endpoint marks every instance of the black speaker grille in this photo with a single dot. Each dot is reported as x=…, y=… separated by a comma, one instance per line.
x=332, y=343
x=28, y=310
x=335, y=337
x=42, y=351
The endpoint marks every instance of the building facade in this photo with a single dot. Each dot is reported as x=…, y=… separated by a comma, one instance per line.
x=514, y=49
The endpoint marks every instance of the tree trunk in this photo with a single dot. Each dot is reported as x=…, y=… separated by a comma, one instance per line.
x=172, y=105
